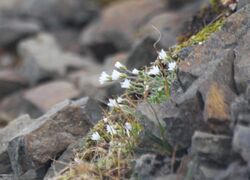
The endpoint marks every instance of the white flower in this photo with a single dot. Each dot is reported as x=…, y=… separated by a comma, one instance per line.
x=162, y=55
x=120, y=100
x=128, y=128
x=117, y=75
x=113, y=103
x=104, y=78
x=154, y=71
x=126, y=84
x=171, y=66
x=135, y=71
x=111, y=129
x=95, y=136
x=120, y=65
x=105, y=120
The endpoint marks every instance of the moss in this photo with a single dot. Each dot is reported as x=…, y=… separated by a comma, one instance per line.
x=200, y=37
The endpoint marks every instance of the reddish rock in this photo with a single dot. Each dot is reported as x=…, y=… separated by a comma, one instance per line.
x=47, y=95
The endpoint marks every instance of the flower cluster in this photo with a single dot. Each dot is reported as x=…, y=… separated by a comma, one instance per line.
x=151, y=83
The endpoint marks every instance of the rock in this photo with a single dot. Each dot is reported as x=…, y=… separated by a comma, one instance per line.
x=151, y=166
x=213, y=148
x=15, y=105
x=52, y=13
x=142, y=54
x=10, y=81
x=240, y=111
x=242, y=65
x=116, y=29
x=64, y=159
x=51, y=134
x=217, y=105
x=7, y=134
x=13, y=30
x=241, y=143
x=234, y=171
x=47, y=95
x=43, y=59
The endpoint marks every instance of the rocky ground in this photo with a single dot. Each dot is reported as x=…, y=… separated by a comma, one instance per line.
x=52, y=55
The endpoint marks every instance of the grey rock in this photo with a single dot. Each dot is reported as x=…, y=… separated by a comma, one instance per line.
x=215, y=148
x=44, y=59
x=142, y=54
x=151, y=166
x=241, y=142
x=64, y=159
x=7, y=134
x=234, y=171
x=13, y=30
x=52, y=13
x=51, y=134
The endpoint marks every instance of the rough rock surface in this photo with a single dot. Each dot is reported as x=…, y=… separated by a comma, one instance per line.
x=44, y=140
x=7, y=134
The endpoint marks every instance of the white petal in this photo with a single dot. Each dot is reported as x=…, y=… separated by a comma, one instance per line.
x=171, y=66
x=154, y=71
x=112, y=103
x=111, y=129
x=104, y=78
x=162, y=55
x=120, y=100
x=95, y=136
x=135, y=71
x=120, y=65
x=116, y=75
x=126, y=84
x=128, y=126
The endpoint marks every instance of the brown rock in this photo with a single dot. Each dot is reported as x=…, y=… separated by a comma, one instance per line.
x=51, y=134
x=47, y=95
x=217, y=104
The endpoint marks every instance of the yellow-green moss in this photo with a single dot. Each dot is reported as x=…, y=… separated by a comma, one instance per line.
x=200, y=37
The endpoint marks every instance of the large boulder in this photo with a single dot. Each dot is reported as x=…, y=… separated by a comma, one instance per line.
x=51, y=134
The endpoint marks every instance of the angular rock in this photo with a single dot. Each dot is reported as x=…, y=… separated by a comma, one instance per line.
x=213, y=148
x=13, y=30
x=142, y=54
x=10, y=81
x=241, y=142
x=116, y=29
x=7, y=134
x=234, y=171
x=15, y=105
x=52, y=13
x=64, y=159
x=151, y=166
x=43, y=59
x=51, y=134
x=242, y=64
x=47, y=95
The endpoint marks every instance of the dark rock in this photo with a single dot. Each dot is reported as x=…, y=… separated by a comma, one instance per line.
x=51, y=134
x=47, y=95
x=234, y=171
x=43, y=59
x=10, y=81
x=13, y=30
x=7, y=134
x=15, y=105
x=142, y=54
x=53, y=13
x=215, y=148
x=64, y=159
x=116, y=29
